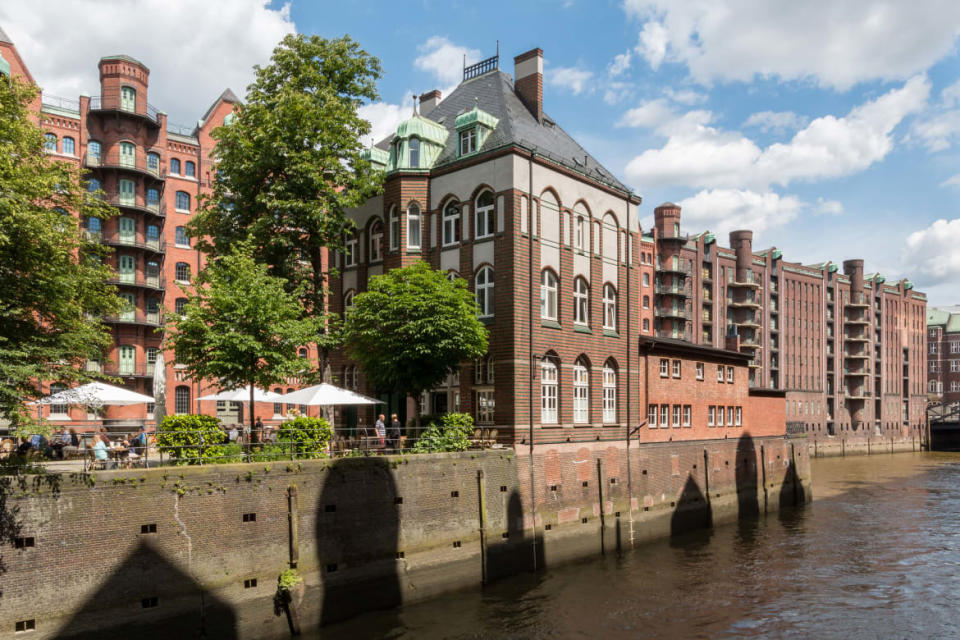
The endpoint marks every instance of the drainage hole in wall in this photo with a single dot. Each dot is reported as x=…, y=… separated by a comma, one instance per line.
x=331, y=567
x=616, y=514
x=613, y=481
x=586, y=483
x=547, y=527
x=644, y=472
x=249, y=517
x=249, y=583
x=454, y=494
x=456, y=544
x=398, y=500
x=399, y=555
x=583, y=520
x=646, y=508
x=23, y=543
x=673, y=504
x=149, y=603
x=25, y=625
x=503, y=488
x=553, y=487
x=329, y=508
x=148, y=528
x=506, y=534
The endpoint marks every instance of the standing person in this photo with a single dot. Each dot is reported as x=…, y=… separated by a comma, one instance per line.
x=381, y=430
x=258, y=430
x=232, y=433
x=394, y=431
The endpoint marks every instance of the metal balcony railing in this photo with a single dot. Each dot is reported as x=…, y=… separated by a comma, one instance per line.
x=115, y=160
x=138, y=204
x=147, y=282
x=138, y=109
x=671, y=289
x=130, y=371
x=157, y=245
x=149, y=319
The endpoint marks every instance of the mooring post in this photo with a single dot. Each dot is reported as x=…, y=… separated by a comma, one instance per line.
x=603, y=524
x=868, y=445
x=763, y=474
x=706, y=474
x=843, y=447
x=482, y=495
x=292, y=509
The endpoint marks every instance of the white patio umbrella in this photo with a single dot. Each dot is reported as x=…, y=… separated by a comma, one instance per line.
x=159, y=390
x=96, y=394
x=325, y=394
x=242, y=394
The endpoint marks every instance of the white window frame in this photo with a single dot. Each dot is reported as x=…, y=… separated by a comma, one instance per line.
x=548, y=294
x=729, y=416
x=73, y=146
x=394, y=229
x=609, y=395
x=451, y=224
x=677, y=412
x=484, y=216
x=581, y=301
x=176, y=202
x=687, y=412
x=348, y=300
x=176, y=237
x=579, y=232
x=711, y=416
x=609, y=307
x=739, y=416
x=652, y=411
x=677, y=368
x=730, y=374
x=548, y=392
x=664, y=416
x=411, y=149
x=581, y=393
x=468, y=141
x=720, y=416
x=376, y=241
x=664, y=368
x=485, y=406
x=719, y=373
x=414, y=221
x=350, y=252
x=700, y=368
x=483, y=287
x=176, y=272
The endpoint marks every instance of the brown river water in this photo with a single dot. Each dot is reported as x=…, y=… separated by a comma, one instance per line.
x=876, y=555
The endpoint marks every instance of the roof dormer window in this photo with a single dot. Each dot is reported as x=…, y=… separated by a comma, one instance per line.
x=468, y=141
x=413, y=147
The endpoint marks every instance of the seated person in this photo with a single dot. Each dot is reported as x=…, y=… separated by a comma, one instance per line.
x=99, y=448
x=139, y=442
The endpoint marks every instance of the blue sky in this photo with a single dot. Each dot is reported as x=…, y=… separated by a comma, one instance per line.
x=832, y=131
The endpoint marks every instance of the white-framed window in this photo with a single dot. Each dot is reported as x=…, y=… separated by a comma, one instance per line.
x=451, y=223
x=676, y=416
x=699, y=371
x=719, y=373
x=609, y=394
x=677, y=368
x=181, y=400
x=179, y=304
x=468, y=141
x=394, y=229
x=581, y=301
x=579, y=233
x=954, y=366
x=664, y=368
x=182, y=272
x=94, y=149
x=181, y=238
x=485, y=406
x=182, y=202
x=719, y=416
x=153, y=161
x=548, y=392
x=729, y=374
x=484, y=215
x=548, y=295
x=376, y=241
x=50, y=142
x=350, y=252
x=729, y=416
x=128, y=98
x=190, y=169
x=484, y=292
x=413, y=147
x=175, y=166
x=646, y=279
x=128, y=154
x=686, y=415
x=127, y=192
x=711, y=416
x=739, y=417
x=59, y=411
x=646, y=302
x=954, y=345
x=609, y=307
x=69, y=146
x=348, y=300
x=414, y=221
x=581, y=392
x=664, y=416
x=652, y=416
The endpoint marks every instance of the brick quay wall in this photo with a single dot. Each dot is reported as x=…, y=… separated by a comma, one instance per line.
x=863, y=444
x=174, y=552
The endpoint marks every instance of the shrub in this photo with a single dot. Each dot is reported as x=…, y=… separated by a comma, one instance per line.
x=190, y=439
x=448, y=432
x=308, y=437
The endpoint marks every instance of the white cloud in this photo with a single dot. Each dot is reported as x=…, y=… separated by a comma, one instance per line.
x=385, y=117
x=776, y=121
x=828, y=207
x=194, y=50
x=940, y=128
x=726, y=210
x=699, y=155
x=836, y=44
x=952, y=181
x=571, y=78
x=650, y=115
x=444, y=60
x=616, y=92
x=684, y=96
x=621, y=62
x=932, y=253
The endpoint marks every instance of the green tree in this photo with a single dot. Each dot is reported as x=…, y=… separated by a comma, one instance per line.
x=241, y=327
x=53, y=283
x=412, y=328
x=290, y=164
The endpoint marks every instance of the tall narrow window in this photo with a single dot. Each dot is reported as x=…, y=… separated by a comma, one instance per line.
x=183, y=201
x=413, y=226
x=350, y=252
x=394, y=229
x=128, y=155
x=153, y=198
x=548, y=391
x=581, y=392
x=153, y=162
x=484, y=292
x=579, y=233
x=581, y=301
x=50, y=142
x=548, y=295
x=652, y=416
x=609, y=307
x=451, y=223
x=181, y=239
x=413, y=145
x=128, y=313
x=127, y=230
x=68, y=146
x=93, y=152
x=126, y=266
x=376, y=241
x=174, y=166
x=181, y=402
x=128, y=193
x=484, y=215
x=182, y=272
x=609, y=394
x=127, y=360
x=60, y=411
x=179, y=305
x=348, y=300
x=190, y=169
x=128, y=98
x=468, y=141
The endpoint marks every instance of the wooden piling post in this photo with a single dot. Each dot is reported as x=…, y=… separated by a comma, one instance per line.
x=482, y=500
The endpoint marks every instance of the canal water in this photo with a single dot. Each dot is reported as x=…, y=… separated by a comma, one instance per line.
x=876, y=555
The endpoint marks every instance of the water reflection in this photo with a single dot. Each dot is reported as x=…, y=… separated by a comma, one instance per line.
x=875, y=556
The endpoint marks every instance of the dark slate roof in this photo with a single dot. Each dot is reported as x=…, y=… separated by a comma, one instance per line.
x=4, y=37
x=227, y=96
x=493, y=92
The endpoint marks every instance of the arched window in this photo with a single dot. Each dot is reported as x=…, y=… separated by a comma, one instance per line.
x=484, y=292
x=93, y=185
x=182, y=272
x=483, y=213
x=548, y=295
x=153, y=162
x=93, y=152
x=348, y=300
x=452, y=275
x=394, y=229
x=413, y=145
x=128, y=155
x=290, y=405
x=153, y=198
x=183, y=201
x=181, y=239
x=278, y=406
x=609, y=307
x=175, y=166
x=548, y=391
x=580, y=232
x=451, y=223
x=581, y=392
x=609, y=393
x=581, y=301
x=190, y=169
x=413, y=226
x=350, y=256
x=50, y=142
x=181, y=403
x=302, y=353
x=179, y=305
x=376, y=241
x=646, y=302
x=94, y=226
x=68, y=146
x=128, y=98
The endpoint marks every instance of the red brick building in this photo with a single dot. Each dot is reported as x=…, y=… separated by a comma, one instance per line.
x=943, y=354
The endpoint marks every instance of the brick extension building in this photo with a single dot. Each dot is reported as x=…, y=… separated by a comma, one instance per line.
x=943, y=354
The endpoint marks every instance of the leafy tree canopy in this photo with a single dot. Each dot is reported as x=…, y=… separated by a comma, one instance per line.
x=53, y=283
x=412, y=328
x=242, y=326
x=290, y=163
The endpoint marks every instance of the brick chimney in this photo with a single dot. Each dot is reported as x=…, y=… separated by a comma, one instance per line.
x=528, y=81
x=428, y=101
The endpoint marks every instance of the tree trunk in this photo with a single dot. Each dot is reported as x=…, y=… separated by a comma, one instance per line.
x=253, y=433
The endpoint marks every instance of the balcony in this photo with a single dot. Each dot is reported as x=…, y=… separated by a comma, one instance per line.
x=125, y=371
x=850, y=355
x=706, y=318
x=115, y=160
x=749, y=303
x=706, y=275
x=113, y=104
x=750, y=282
x=153, y=208
x=156, y=245
x=856, y=373
x=863, y=339
x=749, y=323
x=669, y=333
x=856, y=321
x=751, y=343
x=682, y=239
x=671, y=290
x=678, y=270
x=858, y=305
x=858, y=394
x=146, y=282
x=670, y=312
x=150, y=319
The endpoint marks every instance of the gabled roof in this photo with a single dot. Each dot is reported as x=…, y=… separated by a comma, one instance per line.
x=4, y=37
x=227, y=96
x=493, y=93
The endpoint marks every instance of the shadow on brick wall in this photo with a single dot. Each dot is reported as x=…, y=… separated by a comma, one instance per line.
x=358, y=528
x=692, y=511
x=517, y=553
x=148, y=597
x=748, y=502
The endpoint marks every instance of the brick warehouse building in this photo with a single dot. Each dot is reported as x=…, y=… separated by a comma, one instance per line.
x=943, y=354
x=152, y=171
